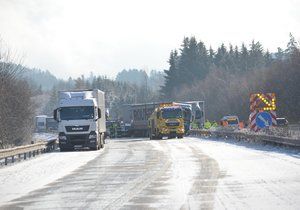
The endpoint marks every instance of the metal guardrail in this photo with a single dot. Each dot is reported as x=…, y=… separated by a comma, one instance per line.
x=247, y=137
x=12, y=155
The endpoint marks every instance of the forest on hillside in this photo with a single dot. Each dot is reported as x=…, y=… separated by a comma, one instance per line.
x=224, y=78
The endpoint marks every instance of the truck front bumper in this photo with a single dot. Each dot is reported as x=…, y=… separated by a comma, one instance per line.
x=172, y=131
x=74, y=141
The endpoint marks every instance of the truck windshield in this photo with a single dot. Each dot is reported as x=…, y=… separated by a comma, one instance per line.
x=168, y=113
x=77, y=113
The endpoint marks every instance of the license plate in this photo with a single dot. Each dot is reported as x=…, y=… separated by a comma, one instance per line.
x=77, y=146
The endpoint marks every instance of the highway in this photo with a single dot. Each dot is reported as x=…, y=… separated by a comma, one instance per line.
x=189, y=173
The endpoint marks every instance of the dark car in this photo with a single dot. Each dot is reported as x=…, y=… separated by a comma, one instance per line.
x=281, y=121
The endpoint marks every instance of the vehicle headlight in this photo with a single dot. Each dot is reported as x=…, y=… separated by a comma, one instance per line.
x=62, y=138
x=164, y=129
x=93, y=135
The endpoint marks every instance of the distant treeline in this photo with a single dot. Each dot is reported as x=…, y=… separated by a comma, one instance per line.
x=225, y=78
x=116, y=93
x=154, y=80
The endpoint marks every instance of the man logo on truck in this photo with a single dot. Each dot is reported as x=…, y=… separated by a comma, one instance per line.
x=77, y=128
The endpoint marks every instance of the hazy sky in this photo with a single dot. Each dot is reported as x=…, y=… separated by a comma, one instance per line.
x=70, y=37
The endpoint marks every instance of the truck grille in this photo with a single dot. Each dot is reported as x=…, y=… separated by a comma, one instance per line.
x=78, y=138
x=172, y=124
x=77, y=128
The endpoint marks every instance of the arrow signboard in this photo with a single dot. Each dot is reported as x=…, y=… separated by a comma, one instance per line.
x=263, y=102
x=263, y=110
x=263, y=119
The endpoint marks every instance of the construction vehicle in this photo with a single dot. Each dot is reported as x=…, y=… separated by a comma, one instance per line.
x=231, y=121
x=137, y=115
x=81, y=119
x=166, y=120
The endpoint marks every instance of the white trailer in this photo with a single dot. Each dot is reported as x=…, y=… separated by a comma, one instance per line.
x=81, y=119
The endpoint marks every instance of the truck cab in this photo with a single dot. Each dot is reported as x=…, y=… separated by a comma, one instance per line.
x=166, y=120
x=81, y=119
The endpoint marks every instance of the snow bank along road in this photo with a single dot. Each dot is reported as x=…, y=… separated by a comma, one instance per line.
x=167, y=174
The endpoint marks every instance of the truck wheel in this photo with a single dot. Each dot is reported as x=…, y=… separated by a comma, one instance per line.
x=180, y=136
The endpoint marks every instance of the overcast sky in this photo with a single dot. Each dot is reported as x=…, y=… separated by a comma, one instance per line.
x=70, y=37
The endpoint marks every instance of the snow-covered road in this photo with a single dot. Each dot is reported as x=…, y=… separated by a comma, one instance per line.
x=169, y=174
x=20, y=179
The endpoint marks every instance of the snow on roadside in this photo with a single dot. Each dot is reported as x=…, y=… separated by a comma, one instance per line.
x=22, y=178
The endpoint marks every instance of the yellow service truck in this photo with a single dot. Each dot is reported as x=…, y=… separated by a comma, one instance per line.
x=166, y=120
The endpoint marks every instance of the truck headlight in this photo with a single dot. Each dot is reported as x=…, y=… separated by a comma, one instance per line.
x=62, y=137
x=165, y=130
x=93, y=135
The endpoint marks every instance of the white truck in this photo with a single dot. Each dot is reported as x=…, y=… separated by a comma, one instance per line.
x=81, y=119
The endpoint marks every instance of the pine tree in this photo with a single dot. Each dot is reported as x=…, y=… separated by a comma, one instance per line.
x=184, y=63
x=292, y=46
x=279, y=54
x=256, y=56
x=221, y=56
x=244, y=59
x=211, y=55
x=204, y=61
x=170, y=76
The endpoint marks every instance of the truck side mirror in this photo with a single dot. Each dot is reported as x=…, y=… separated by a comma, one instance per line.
x=55, y=115
x=99, y=113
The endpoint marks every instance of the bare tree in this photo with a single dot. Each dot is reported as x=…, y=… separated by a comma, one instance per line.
x=16, y=106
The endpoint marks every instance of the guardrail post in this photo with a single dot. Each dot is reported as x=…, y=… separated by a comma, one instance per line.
x=25, y=156
x=5, y=162
x=13, y=159
x=33, y=153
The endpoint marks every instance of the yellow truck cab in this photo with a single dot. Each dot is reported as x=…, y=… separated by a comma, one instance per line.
x=166, y=120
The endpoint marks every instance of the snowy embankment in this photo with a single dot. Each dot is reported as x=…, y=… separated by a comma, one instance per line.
x=22, y=178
